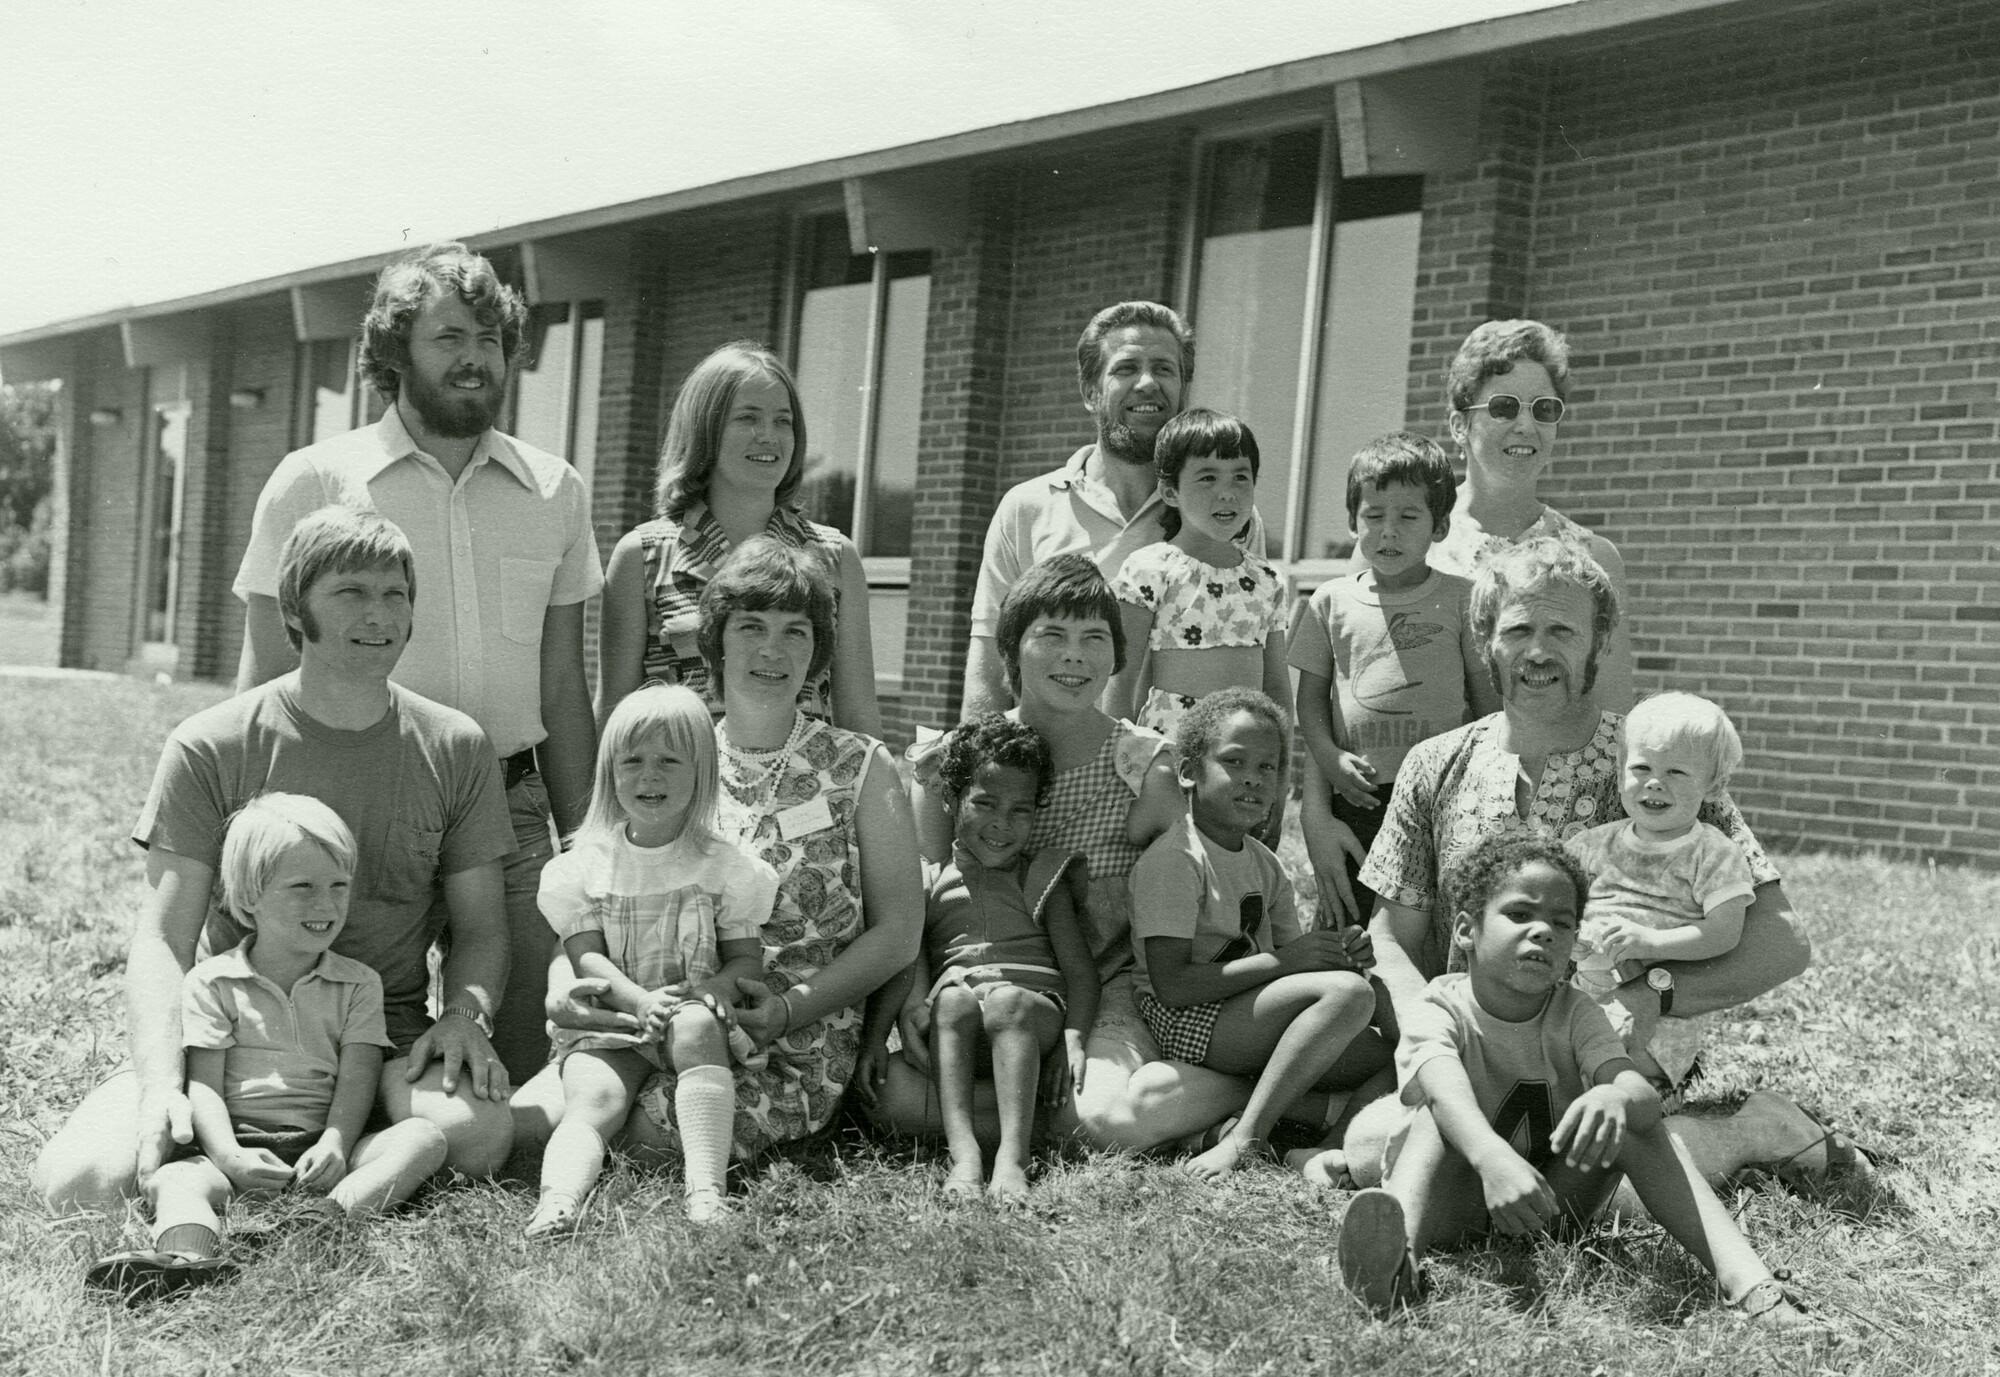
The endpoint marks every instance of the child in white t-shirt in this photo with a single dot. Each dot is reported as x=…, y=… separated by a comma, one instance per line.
x=1523, y=1107
x=1665, y=886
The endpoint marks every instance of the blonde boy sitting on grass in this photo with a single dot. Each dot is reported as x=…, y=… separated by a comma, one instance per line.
x=284, y=1043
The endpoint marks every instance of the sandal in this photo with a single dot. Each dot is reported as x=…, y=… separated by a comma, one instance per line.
x=1772, y=1303
x=1842, y=1153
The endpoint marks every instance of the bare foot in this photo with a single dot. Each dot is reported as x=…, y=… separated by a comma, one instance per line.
x=1219, y=1160
x=1009, y=1185
x=967, y=1181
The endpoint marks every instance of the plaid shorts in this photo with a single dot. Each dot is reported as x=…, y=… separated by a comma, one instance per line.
x=1183, y=1033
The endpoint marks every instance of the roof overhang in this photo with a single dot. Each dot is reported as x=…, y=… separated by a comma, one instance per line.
x=1566, y=22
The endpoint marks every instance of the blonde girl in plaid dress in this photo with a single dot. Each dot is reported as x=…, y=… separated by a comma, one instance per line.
x=654, y=901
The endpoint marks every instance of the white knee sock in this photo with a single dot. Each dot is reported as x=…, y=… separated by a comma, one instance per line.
x=705, y=1110
x=573, y=1159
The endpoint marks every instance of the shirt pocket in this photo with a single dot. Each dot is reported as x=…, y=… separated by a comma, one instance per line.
x=410, y=860
x=524, y=597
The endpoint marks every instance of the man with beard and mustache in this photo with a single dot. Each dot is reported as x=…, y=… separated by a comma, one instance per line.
x=504, y=551
x=1134, y=362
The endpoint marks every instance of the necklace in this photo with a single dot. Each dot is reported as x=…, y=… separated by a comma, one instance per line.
x=757, y=772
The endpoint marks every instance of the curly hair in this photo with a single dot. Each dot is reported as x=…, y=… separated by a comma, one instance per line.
x=766, y=575
x=1402, y=457
x=1090, y=344
x=1195, y=737
x=994, y=739
x=1495, y=347
x=1068, y=586
x=701, y=410
x=413, y=282
x=1471, y=880
x=1199, y=433
x=1529, y=567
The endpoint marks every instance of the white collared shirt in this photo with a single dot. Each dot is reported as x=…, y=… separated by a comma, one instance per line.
x=1059, y=513
x=494, y=550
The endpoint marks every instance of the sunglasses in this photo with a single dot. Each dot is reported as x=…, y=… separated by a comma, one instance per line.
x=1502, y=407
x=1250, y=914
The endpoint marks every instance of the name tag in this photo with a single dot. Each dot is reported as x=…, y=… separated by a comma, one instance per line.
x=804, y=820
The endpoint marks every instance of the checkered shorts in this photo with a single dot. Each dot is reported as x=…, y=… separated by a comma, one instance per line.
x=1183, y=1034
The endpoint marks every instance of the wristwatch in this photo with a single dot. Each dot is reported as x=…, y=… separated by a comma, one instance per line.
x=1661, y=981
x=479, y=1018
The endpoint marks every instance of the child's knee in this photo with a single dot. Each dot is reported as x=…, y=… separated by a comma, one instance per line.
x=695, y=1037
x=478, y=1136
x=1009, y=1007
x=956, y=1004
x=423, y=1144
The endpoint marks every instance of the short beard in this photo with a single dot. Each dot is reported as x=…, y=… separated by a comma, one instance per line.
x=1126, y=444
x=449, y=413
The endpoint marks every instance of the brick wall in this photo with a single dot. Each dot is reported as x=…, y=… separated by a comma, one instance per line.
x=959, y=456
x=1093, y=228
x=1771, y=237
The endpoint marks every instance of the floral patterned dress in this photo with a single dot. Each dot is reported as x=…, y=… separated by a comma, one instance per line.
x=1197, y=606
x=816, y=917
x=1456, y=789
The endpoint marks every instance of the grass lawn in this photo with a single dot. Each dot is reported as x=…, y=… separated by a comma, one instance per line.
x=842, y=1259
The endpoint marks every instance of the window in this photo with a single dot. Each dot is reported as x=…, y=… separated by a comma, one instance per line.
x=859, y=346
x=328, y=388
x=162, y=492
x=332, y=396
x=1304, y=286
x=556, y=389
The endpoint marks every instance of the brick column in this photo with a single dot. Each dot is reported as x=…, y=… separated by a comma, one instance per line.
x=1474, y=256
x=958, y=459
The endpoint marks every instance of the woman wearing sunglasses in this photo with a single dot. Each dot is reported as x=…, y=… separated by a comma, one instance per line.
x=1505, y=390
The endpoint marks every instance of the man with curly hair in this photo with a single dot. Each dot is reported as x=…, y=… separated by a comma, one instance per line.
x=503, y=544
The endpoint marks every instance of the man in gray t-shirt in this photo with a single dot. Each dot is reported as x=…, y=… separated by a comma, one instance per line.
x=416, y=782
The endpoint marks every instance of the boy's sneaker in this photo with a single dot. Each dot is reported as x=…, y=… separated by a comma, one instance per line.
x=145, y=1275
x=1375, y=1262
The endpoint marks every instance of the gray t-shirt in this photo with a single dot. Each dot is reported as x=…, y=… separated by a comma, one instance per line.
x=420, y=790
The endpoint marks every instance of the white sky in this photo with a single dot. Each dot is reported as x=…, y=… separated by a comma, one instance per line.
x=149, y=150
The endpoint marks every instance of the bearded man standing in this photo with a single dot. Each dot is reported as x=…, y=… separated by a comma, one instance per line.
x=1134, y=362
x=504, y=557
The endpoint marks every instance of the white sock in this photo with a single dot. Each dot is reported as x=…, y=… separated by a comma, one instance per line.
x=705, y=1110
x=573, y=1159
